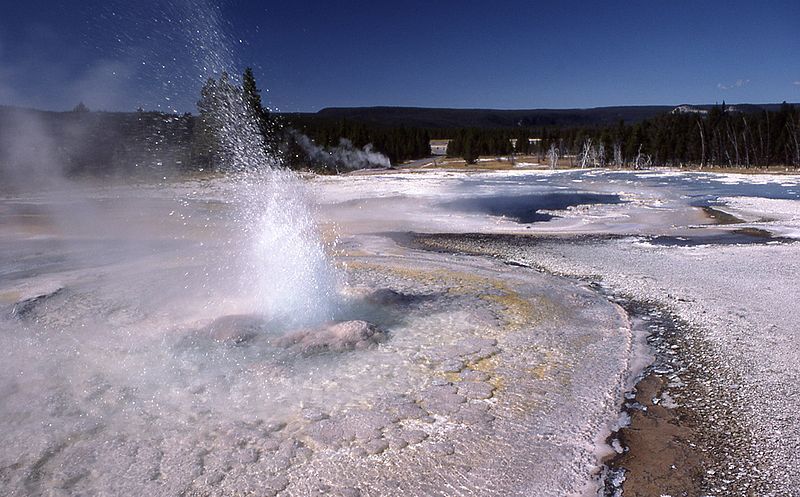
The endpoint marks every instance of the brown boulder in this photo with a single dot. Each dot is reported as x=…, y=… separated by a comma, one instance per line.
x=234, y=329
x=333, y=336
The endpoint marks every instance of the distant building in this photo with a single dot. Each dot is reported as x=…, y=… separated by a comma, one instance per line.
x=439, y=147
x=534, y=141
x=531, y=141
x=691, y=109
x=688, y=109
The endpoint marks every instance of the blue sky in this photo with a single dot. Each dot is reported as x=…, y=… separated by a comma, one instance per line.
x=117, y=55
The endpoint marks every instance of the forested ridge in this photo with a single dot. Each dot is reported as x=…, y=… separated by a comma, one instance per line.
x=85, y=142
x=723, y=137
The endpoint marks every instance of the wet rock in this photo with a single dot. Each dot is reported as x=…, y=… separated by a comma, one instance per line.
x=25, y=307
x=322, y=489
x=374, y=447
x=242, y=434
x=303, y=454
x=443, y=448
x=397, y=444
x=387, y=296
x=367, y=433
x=248, y=456
x=453, y=358
x=482, y=353
x=362, y=425
x=234, y=329
x=214, y=477
x=336, y=337
x=275, y=485
x=274, y=426
x=663, y=369
x=475, y=389
x=369, y=424
x=350, y=492
x=61, y=404
x=451, y=366
x=473, y=415
x=66, y=476
x=281, y=463
x=472, y=375
x=270, y=444
x=400, y=407
x=414, y=436
x=441, y=400
x=288, y=448
x=330, y=433
x=314, y=414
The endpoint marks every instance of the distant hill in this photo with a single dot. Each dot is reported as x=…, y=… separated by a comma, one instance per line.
x=83, y=142
x=493, y=118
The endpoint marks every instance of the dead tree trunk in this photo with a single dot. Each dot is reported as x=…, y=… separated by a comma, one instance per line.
x=735, y=143
x=702, y=144
x=792, y=128
x=552, y=156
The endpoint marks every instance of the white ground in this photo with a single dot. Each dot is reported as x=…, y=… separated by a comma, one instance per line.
x=105, y=390
x=744, y=299
x=493, y=381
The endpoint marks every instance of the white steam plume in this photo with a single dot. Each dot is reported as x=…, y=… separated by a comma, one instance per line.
x=343, y=157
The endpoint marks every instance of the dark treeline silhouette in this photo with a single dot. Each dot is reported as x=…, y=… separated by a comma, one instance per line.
x=229, y=115
x=83, y=142
x=722, y=137
x=299, y=142
x=442, y=118
x=398, y=144
x=429, y=118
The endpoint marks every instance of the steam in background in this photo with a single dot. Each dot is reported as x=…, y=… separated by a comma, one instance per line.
x=345, y=157
x=28, y=157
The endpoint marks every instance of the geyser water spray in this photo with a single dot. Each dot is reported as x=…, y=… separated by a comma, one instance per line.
x=287, y=274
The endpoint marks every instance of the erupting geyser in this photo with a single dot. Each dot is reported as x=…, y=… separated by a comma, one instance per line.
x=287, y=269
x=287, y=273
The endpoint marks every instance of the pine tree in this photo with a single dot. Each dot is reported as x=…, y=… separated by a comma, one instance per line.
x=252, y=99
x=205, y=142
x=521, y=146
x=471, y=147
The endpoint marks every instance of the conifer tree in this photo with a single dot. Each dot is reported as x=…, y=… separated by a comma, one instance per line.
x=205, y=142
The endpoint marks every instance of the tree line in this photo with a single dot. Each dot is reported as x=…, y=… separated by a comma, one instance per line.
x=398, y=144
x=225, y=108
x=720, y=137
x=230, y=111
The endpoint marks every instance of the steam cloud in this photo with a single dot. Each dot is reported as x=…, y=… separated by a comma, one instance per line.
x=343, y=157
